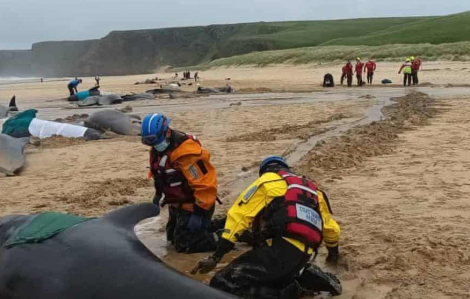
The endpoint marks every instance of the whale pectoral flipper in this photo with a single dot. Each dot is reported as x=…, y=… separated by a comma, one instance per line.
x=129, y=216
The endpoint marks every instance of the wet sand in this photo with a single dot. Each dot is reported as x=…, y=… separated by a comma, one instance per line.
x=400, y=199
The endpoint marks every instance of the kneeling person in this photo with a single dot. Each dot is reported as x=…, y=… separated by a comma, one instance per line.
x=289, y=218
x=184, y=179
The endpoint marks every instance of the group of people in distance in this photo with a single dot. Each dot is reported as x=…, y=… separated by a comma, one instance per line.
x=360, y=67
x=410, y=70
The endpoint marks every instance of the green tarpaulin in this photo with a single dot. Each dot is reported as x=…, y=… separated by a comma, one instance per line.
x=43, y=227
x=18, y=125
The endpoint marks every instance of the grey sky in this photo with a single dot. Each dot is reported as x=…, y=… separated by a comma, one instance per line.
x=23, y=22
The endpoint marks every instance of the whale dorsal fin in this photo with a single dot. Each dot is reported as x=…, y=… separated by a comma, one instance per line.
x=13, y=102
x=129, y=216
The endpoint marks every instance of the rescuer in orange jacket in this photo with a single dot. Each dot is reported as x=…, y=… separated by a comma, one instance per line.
x=185, y=180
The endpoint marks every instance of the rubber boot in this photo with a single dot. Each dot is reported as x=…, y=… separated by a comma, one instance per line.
x=292, y=291
x=313, y=280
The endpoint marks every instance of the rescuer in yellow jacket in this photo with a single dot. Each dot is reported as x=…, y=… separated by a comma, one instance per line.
x=286, y=218
x=185, y=180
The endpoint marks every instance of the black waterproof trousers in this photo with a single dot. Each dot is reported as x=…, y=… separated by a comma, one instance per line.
x=370, y=77
x=350, y=79
x=184, y=241
x=263, y=272
x=343, y=76
x=415, y=78
x=407, y=79
x=359, y=79
x=71, y=90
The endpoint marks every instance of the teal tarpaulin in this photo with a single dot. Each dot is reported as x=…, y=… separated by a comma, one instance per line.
x=18, y=125
x=44, y=226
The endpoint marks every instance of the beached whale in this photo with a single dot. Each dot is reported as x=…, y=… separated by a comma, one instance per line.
x=114, y=121
x=223, y=89
x=12, y=157
x=164, y=89
x=91, y=258
x=100, y=100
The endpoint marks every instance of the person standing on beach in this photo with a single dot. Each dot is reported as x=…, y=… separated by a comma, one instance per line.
x=72, y=86
x=358, y=69
x=348, y=69
x=97, y=79
x=415, y=66
x=196, y=76
x=407, y=71
x=370, y=68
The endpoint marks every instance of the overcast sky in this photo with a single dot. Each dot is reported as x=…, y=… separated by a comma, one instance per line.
x=23, y=22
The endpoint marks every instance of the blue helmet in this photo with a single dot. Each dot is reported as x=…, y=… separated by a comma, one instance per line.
x=270, y=161
x=154, y=128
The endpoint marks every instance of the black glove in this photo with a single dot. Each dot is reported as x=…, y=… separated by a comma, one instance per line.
x=333, y=255
x=156, y=202
x=205, y=265
x=209, y=263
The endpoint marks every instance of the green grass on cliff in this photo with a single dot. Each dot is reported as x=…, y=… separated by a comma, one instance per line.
x=454, y=51
x=447, y=29
x=247, y=38
x=432, y=38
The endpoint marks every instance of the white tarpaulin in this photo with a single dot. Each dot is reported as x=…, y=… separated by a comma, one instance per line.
x=44, y=129
x=1, y=123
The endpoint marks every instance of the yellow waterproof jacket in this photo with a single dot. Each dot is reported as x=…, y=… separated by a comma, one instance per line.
x=259, y=195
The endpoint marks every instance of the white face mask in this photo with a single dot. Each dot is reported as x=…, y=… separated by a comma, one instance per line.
x=162, y=146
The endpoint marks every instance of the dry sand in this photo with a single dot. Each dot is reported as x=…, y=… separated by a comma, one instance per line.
x=399, y=188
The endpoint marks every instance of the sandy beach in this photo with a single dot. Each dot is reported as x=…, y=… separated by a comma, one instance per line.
x=399, y=186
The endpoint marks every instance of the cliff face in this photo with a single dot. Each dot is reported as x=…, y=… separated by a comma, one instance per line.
x=134, y=52
x=59, y=59
x=15, y=63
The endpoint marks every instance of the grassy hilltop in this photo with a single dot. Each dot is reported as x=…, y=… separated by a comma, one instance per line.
x=144, y=51
x=440, y=30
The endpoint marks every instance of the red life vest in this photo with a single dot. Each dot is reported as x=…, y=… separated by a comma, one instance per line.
x=348, y=69
x=168, y=180
x=359, y=67
x=304, y=221
x=370, y=66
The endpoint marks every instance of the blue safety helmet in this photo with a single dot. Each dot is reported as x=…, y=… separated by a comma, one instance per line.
x=154, y=128
x=270, y=161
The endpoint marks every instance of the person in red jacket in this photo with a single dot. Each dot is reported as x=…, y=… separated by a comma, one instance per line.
x=358, y=70
x=347, y=73
x=370, y=68
x=415, y=66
